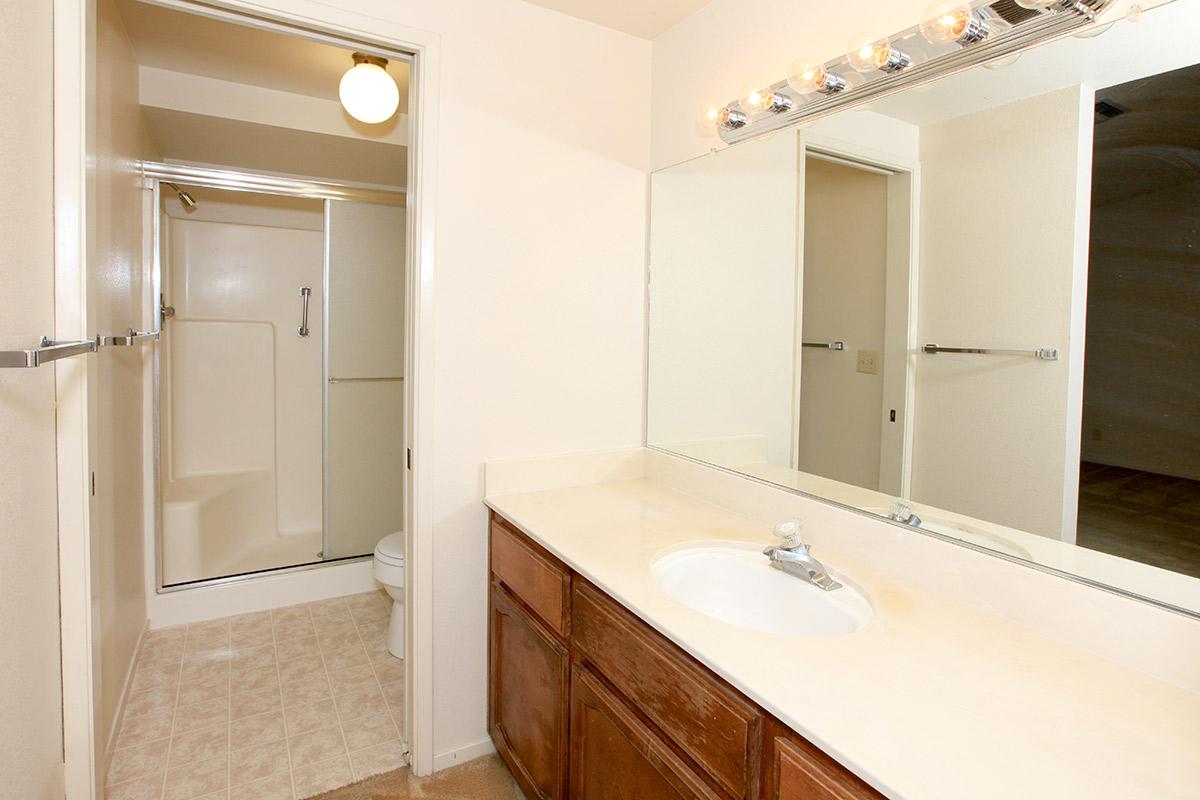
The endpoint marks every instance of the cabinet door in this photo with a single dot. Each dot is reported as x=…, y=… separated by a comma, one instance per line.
x=614, y=756
x=801, y=775
x=529, y=671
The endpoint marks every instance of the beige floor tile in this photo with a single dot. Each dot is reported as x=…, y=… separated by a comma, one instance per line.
x=191, y=693
x=359, y=704
x=145, y=728
x=389, y=669
x=160, y=636
x=290, y=614
x=247, y=658
x=299, y=668
x=151, y=676
x=253, y=637
x=321, y=777
x=309, y=717
x=201, y=715
x=208, y=629
x=197, y=779
x=341, y=639
x=293, y=629
x=253, y=679
x=394, y=694
x=255, y=763
x=370, y=731
x=147, y=787
x=372, y=613
x=383, y=757
x=345, y=681
x=295, y=648
x=151, y=701
x=207, y=648
x=204, y=671
x=346, y=658
x=167, y=653
x=259, y=701
x=276, y=787
x=135, y=762
x=199, y=745
x=254, y=731
x=317, y=745
x=307, y=690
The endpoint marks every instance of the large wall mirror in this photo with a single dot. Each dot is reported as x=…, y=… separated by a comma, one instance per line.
x=972, y=307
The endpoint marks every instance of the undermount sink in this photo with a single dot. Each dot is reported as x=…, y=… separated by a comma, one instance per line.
x=734, y=583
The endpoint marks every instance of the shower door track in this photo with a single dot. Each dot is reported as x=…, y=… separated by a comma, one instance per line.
x=263, y=183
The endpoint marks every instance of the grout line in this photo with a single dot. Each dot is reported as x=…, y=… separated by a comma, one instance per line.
x=287, y=744
x=229, y=713
x=162, y=790
x=332, y=697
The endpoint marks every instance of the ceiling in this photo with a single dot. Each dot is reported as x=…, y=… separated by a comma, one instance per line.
x=198, y=45
x=644, y=18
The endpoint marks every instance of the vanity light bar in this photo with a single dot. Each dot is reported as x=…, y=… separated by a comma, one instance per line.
x=979, y=33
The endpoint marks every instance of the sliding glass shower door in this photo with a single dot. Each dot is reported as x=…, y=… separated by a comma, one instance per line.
x=364, y=375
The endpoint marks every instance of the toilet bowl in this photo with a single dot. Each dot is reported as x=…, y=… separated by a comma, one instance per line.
x=389, y=570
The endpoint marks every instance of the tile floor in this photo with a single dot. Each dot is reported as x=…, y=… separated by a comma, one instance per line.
x=279, y=704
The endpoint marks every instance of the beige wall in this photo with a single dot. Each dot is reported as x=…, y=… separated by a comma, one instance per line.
x=845, y=275
x=114, y=294
x=30, y=725
x=1004, y=423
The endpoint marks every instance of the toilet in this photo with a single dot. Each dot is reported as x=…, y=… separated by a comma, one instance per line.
x=389, y=570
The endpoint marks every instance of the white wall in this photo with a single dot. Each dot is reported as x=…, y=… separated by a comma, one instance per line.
x=30, y=693
x=114, y=295
x=1009, y=424
x=723, y=298
x=539, y=279
x=845, y=281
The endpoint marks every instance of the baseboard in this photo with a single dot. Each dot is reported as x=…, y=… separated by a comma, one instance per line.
x=111, y=743
x=462, y=755
x=259, y=594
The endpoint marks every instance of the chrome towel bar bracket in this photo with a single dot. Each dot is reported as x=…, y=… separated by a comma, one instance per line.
x=1041, y=353
x=130, y=337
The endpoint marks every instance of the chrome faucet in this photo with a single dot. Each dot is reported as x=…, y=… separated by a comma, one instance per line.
x=902, y=512
x=794, y=557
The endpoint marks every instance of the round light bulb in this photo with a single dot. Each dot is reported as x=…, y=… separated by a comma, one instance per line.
x=807, y=77
x=754, y=99
x=367, y=91
x=949, y=22
x=864, y=52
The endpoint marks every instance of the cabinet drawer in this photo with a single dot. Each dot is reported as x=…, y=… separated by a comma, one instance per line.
x=528, y=689
x=802, y=773
x=714, y=726
x=615, y=756
x=537, y=579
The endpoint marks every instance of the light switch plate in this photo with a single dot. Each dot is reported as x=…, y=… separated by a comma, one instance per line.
x=868, y=362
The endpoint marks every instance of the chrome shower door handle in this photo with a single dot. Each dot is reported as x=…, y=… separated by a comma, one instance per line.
x=305, y=293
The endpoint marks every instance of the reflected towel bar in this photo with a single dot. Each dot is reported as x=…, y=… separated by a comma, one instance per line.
x=363, y=380
x=825, y=345
x=1041, y=353
x=130, y=337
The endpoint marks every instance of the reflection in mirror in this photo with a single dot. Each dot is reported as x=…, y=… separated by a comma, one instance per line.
x=971, y=308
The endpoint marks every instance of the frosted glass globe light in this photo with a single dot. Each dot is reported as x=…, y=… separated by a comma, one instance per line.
x=367, y=92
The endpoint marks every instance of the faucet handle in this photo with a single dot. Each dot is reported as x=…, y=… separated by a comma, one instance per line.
x=788, y=531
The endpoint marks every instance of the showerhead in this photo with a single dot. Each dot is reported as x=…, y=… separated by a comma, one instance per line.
x=186, y=199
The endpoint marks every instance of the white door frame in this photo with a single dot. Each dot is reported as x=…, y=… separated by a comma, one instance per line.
x=74, y=96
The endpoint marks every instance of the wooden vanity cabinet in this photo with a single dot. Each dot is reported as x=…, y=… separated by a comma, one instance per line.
x=588, y=702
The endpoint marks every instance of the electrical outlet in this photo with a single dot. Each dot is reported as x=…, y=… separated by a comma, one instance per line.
x=868, y=362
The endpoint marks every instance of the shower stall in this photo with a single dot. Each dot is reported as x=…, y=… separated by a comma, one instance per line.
x=280, y=422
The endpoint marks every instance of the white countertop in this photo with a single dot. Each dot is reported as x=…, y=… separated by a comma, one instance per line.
x=934, y=698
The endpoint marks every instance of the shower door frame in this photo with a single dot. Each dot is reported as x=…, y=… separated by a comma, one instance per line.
x=74, y=34
x=156, y=173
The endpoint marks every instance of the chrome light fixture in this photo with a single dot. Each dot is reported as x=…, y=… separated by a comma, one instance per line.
x=953, y=22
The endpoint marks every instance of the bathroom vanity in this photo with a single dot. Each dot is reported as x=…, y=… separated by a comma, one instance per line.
x=963, y=675
x=587, y=701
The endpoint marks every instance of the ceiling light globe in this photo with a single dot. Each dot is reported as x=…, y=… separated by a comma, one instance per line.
x=368, y=92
